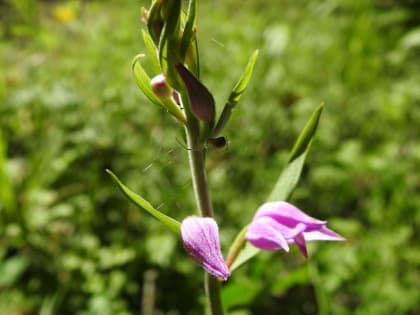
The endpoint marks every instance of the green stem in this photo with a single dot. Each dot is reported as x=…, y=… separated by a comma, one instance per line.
x=236, y=247
x=196, y=155
x=212, y=286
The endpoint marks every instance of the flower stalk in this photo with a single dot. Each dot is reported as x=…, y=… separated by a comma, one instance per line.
x=196, y=156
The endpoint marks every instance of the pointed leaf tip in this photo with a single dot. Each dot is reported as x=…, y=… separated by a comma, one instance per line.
x=307, y=134
x=236, y=94
x=139, y=201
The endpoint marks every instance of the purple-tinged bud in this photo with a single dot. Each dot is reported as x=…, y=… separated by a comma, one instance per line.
x=201, y=241
x=160, y=87
x=176, y=97
x=201, y=100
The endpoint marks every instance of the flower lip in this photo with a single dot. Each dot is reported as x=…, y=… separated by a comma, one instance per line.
x=201, y=241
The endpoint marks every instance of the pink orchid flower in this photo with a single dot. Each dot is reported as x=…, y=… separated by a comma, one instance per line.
x=276, y=225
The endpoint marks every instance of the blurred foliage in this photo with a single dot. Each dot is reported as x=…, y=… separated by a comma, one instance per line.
x=71, y=244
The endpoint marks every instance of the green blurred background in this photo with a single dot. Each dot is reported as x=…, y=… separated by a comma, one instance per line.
x=69, y=108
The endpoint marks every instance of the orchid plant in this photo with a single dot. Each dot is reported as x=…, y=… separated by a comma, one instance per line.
x=170, y=39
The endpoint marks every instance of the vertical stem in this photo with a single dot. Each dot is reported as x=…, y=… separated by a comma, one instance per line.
x=198, y=173
x=196, y=155
x=212, y=287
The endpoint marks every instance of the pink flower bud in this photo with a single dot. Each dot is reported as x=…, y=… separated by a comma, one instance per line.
x=160, y=87
x=201, y=241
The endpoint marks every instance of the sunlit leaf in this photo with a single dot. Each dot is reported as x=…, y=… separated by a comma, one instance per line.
x=236, y=94
x=171, y=223
x=151, y=51
x=306, y=135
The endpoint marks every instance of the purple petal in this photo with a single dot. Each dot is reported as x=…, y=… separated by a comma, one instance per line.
x=300, y=242
x=201, y=241
x=287, y=214
x=323, y=234
x=264, y=234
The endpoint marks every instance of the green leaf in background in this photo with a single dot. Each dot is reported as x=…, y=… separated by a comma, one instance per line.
x=241, y=292
x=171, y=223
x=286, y=183
x=143, y=82
x=292, y=278
x=51, y=303
x=236, y=94
x=11, y=269
x=7, y=195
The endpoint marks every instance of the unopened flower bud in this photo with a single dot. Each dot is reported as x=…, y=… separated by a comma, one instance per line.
x=201, y=241
x=160, y=87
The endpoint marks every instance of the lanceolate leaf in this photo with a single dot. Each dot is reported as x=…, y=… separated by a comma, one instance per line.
x=168, y=43
x=155, y=22
x=151, y=51
x=171, y=223
x=236, y=94
x=248, y=252
x=289, y=178
x=189, y=28
x=307, y=134
x=287, y=181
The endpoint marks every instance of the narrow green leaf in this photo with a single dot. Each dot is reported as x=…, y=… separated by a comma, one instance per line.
x=171, y=223
x=248, y=251
x=288, y=179
x=307, y=134
x=155, y=22
x=151, y=51
x=241, y=85
x=169, y=40
x=285, y=184
x=236, y=94
x=143, y=82
x=172, y=11
x=236, y=247
x=192, y=59
x=189, y=28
